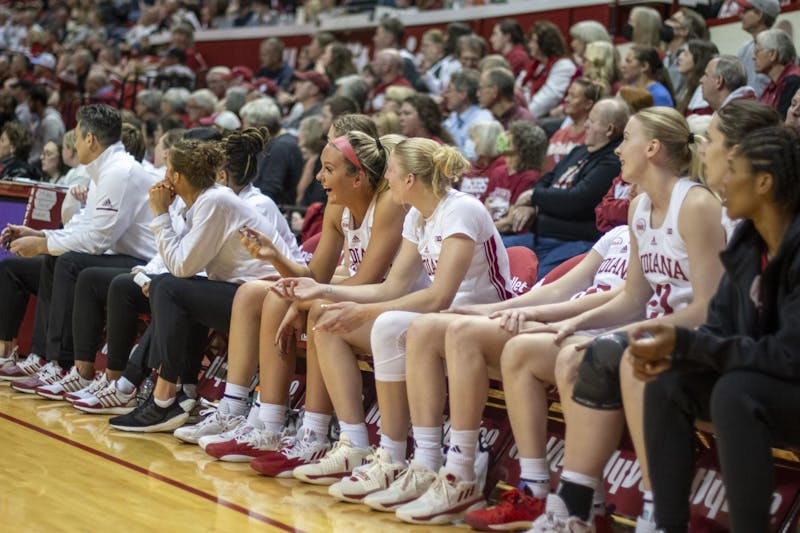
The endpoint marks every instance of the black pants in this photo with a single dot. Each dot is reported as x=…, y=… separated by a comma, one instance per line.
x=19, y=279
x=183, y=312
x=107, y=296
x=139, y=366
x=751, y=412
x=65, y=271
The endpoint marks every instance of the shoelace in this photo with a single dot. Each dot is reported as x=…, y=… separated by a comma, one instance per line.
x=97, y=384
x=410, y=476
x=48, y=372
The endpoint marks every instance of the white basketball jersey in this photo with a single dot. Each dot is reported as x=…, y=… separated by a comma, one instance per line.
x=663, y=255
x=487, y=278
x=356, y=239
x=614, y=248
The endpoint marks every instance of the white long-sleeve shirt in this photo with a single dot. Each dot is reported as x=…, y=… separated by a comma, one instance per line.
x=211, y=241
x=117, y=213
x=555, y=87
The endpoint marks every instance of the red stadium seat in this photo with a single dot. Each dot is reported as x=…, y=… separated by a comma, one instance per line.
x=562, y=269
x=308, y=246
x=524, y=266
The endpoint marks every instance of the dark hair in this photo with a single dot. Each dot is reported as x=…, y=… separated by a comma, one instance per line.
x=649, y=55
x=102, y=121
x=530, y=142
x=324, y=38
x=454, y=31
x=353, y=122
x=170, y=122
x=511, y=28
x=341, y=62
x=429, y=115
x=740, y=116
x=203, y=133
x=133, y=141
x=241, y=154
x=20, y=138
x=39, y=94
x=394, y=26
x=776, y=151
x=549, y=38
x=340, y=105
x=702, y=52
x=129, y=117
x=197, y=161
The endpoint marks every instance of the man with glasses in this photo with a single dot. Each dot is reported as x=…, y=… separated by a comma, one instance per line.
x=757, y=16
x=775, y=57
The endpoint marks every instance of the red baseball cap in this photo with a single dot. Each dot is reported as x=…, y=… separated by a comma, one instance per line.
x=320, y=80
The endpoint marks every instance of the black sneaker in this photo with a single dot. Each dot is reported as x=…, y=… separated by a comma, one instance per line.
x=150, y=418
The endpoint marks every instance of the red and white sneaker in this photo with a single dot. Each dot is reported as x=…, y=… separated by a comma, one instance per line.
x=22, y=369
x=516, y=511
x=96, y=385
x=377, y=474
x=294, y=452
x=445, y=501
x=71, y=382
x=108, y=401
x=47, y=375
x=336, y=464
x=408, y=487
x=249, y=443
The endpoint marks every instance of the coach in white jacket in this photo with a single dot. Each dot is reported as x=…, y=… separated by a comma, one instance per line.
x=112, y=231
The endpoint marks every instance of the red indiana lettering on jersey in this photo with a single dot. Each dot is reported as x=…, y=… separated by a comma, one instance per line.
x=661, y=264
x=615, y=265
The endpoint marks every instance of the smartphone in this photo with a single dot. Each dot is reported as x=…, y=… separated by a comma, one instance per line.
x=141, y=279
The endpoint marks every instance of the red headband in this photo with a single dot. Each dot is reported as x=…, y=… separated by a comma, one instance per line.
x=344, y=146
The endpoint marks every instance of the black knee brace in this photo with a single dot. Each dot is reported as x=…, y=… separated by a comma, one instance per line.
x=597, y=385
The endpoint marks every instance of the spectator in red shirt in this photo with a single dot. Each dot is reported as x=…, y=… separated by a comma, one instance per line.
x=524, y=157
x=775, y=56
x=182, y=38
x=581, y=96
x=496, y=93
x=509, y=39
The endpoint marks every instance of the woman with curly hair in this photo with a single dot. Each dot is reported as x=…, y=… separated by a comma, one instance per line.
x=601, y=65
x=420, y=117
x=549, y=74
x=15, y=146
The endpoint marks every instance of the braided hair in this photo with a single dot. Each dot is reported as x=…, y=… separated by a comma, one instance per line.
x=241, y=153
x=776, y=151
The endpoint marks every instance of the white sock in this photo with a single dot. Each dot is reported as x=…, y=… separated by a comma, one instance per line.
x=316, y=425
x=648, y=507
x=190, y=390
x=428, y=447
x=125, y=386
x=396, y=448
x=536, y=476
x=234, y=401
x=580, y=479
x=272, y=416
x=164, y=403
x=461, y=456
x=357, y=433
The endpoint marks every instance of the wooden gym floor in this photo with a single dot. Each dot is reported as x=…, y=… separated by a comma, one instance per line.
x=62, y=470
